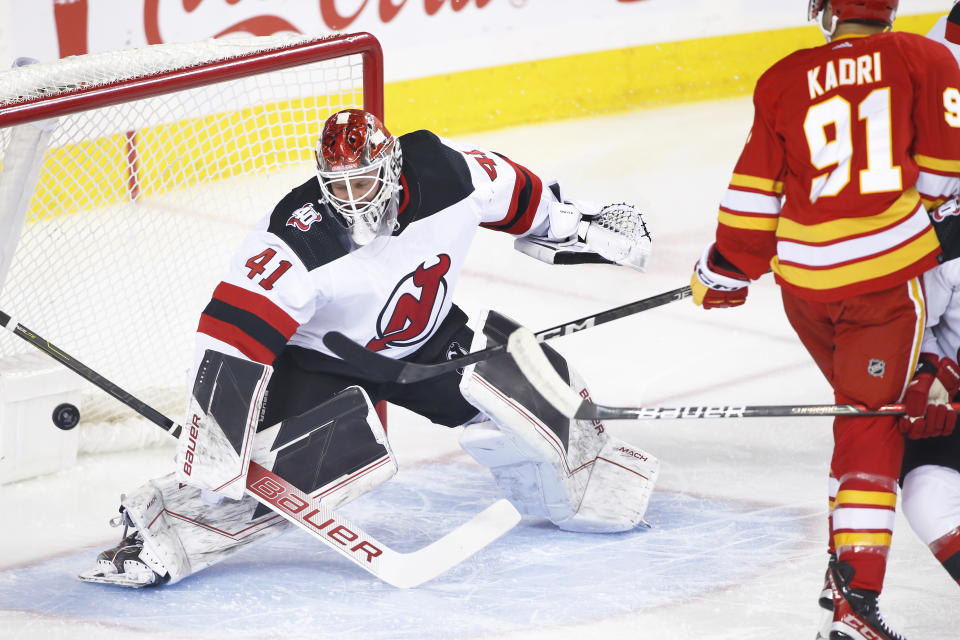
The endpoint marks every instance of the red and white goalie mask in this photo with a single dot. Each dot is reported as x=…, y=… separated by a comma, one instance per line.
x=358, y=166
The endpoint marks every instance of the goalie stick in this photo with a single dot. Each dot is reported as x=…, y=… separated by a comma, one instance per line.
x=402, y=570
x=381, y=368
x=528, y=355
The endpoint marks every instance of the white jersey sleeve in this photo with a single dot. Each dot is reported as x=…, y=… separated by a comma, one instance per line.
x=939, y=33
x=942, y=291
x=515, y=199
x=261, y=302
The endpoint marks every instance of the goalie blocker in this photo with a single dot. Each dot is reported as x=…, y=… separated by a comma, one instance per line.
x=571, y=472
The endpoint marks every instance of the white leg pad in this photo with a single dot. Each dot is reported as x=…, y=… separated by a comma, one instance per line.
x=516, y=468
x=542, y=460
x=185, y=534
x=931, y=501
x=618, y=491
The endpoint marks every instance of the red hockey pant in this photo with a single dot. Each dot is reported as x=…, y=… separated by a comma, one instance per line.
x=867, y=347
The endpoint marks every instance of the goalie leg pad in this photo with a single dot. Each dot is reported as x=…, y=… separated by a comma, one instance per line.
x=544, y=457
x=337, y=451
x=526, y=479
x=569, y=471
x=214, y=451
x=181, y=534
x=618, y=492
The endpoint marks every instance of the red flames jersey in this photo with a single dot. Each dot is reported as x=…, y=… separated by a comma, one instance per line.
x=851, y=142
x=297, y=276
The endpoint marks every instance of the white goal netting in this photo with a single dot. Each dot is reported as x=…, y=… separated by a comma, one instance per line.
x=119, y=219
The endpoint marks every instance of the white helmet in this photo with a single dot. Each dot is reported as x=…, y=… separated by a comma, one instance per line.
x=358, y=166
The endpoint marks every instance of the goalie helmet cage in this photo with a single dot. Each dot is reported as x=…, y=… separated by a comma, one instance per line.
x=128, y=180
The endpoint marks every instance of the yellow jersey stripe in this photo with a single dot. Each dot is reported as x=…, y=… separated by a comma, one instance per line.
x=754, y=223
x=753, y=182
x=862, y=271
x=936, y=164
x=862, y=539
x=846, y=227
x=878, y=498
x=919, y=303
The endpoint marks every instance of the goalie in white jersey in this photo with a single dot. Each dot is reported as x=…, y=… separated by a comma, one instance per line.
x=372, y=247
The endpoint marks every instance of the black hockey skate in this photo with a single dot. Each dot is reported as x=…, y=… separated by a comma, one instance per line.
x=856, y=613
x=126, y=564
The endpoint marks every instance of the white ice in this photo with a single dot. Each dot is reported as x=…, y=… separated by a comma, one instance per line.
x=737, y=548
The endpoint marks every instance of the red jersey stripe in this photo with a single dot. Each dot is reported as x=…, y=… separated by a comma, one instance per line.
x=232, y=335
x=259, y=305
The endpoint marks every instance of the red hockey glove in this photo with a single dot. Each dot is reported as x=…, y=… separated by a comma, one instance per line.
x=934, y=384
x=716, y=282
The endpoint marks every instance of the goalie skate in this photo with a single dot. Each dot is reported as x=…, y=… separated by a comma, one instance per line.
x=127, y=564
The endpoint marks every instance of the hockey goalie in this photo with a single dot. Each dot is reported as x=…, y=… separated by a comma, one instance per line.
x=372, y=247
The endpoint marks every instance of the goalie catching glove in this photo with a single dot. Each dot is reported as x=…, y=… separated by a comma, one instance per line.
x=585, y=233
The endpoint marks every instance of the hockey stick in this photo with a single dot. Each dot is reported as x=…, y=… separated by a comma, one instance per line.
x=90, y=375
x=380, y=368
x=308, y=513
x=528, y=355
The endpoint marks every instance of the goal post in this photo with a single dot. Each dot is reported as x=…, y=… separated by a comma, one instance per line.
x=128, y=180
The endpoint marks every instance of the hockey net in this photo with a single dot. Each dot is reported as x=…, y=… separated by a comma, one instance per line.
x=129, y=178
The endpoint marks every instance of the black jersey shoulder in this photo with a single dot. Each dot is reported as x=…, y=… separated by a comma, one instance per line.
x=948, y=232
x=315, y=242
x=434, y=177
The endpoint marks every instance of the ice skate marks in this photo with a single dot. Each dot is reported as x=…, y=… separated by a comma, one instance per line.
x=533, y=576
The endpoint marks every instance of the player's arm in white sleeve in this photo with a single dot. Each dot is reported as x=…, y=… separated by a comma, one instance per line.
x=938, y=292
x=261, y=302
x=265, y=297
x=551, y=227
x=947, y=31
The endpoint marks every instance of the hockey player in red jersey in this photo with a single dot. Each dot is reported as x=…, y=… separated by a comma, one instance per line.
x=372, y=246
x=851, y=143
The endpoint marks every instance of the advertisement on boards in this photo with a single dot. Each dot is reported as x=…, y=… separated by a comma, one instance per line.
x=420, y=37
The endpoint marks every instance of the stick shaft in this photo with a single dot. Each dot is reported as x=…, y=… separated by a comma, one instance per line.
x=589, y=411
x=385, y=369
x=90, y=375
x=609, y=315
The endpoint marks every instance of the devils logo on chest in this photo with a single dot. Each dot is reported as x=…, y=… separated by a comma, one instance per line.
x=413, y=309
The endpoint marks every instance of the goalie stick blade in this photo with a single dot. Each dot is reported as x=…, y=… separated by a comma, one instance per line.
x=403, y=570
x=380, y=368
x=407, y=570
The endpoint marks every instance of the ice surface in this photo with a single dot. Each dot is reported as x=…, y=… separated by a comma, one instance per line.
x=736, y=551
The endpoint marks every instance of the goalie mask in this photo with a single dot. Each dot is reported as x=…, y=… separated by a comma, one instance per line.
x=884, y=11
x=358, y=166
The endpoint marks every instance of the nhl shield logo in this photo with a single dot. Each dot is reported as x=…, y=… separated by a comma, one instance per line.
x=304, y=217
x=876, y=367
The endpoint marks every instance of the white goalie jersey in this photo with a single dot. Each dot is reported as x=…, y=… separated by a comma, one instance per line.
x=297, y=276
